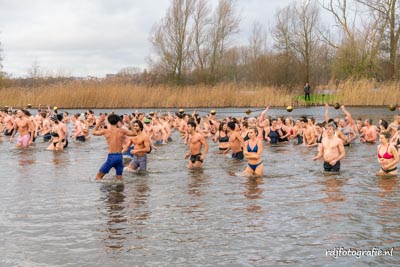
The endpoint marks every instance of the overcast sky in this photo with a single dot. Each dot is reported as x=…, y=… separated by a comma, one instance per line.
x=94, y=37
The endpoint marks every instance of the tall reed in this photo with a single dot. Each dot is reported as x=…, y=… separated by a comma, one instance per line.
x=112, y=94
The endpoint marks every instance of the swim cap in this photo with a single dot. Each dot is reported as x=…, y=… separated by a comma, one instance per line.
x=147, y=120
x=181, y=110
x=55, y=108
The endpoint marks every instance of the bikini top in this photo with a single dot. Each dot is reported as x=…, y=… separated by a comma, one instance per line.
x=386, y=155
x=254, y=149
x=223, y=139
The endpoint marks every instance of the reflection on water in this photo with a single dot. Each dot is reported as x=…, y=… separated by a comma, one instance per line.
x=53, y=213
x=115, y=207
x=332, y=188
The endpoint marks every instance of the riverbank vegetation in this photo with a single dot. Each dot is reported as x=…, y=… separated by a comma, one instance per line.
x=118, y=94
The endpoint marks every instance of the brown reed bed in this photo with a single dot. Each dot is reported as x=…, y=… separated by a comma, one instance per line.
x=112, y=94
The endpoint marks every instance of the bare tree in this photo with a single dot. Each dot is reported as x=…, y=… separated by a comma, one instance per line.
x=357, y=51
x=35, y=71
x=201, y=25
x=171, y=39
x=296, y=33
x=388, y=13
x=257, y=41
x=225, y=23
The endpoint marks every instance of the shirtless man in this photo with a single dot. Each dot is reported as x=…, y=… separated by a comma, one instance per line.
x=331, y=150
x=368, y=132
x=78, y=129
x=235, y=142
x=26, y=130
x=196, y=142
x=308, y=134
x=115, y=136
x=141, y=146
x=159, y=134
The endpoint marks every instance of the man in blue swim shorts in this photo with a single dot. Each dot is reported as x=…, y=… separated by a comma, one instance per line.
x=115, y=136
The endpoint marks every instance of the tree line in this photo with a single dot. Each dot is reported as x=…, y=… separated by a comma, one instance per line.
x=355, y=39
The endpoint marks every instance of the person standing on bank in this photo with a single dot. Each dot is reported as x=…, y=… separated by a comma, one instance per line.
x=307, y=91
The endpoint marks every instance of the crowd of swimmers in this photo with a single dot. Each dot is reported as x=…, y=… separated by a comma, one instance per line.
x=136, y=135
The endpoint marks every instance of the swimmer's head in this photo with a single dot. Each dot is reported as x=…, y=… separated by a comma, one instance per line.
x=331, y=125
x=54, y=118
x=386, y=135
x=139, y=123
x=60, y=117
x=113, y=119
x=192, y=123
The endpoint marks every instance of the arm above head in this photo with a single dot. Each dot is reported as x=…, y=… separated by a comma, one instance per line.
x=326, y=112
x=348, y=115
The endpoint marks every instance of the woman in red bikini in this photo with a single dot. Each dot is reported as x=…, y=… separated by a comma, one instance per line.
x=388, y=157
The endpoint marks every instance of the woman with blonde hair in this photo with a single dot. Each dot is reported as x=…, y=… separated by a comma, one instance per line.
x=252, y=150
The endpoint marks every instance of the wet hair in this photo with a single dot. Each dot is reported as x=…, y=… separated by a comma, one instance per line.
x=54, y=118
x=332, y=124
x=60, y=117
x=113, y=119
x=140, y=124
x=386, y=135
x=369, y=121
x=192, y=123
x=221, y=125
x=231, y=125
x=385, y=124
x=26, y=112
x=255, y=129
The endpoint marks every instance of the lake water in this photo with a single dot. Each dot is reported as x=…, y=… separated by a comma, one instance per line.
x=53, y=213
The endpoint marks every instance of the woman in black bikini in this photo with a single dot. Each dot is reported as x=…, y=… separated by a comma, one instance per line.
x=222, y=137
